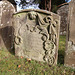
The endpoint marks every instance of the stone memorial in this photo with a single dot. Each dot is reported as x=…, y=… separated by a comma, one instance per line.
x=36, y=35
x=63, y=12
x=70, y=45
x=6, y=29
x=12, y=2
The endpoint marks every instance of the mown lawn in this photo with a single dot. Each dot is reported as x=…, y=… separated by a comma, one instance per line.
x=11, y=65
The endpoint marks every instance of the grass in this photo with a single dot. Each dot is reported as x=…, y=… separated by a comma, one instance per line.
x=61, y=51
x=11, y=65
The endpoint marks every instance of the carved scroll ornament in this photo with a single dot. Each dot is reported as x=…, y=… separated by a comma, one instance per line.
x=47, y=27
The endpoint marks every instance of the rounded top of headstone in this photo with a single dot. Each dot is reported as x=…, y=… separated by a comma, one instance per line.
x=37, y=10
x=63, y=8
x=11, y=1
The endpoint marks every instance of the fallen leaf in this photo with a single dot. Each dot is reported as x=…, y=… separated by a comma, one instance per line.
x=21, y=57
x=28, y=59
x=19, y=66
x=9, y=70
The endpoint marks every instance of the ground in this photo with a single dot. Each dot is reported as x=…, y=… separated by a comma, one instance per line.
x=11, y=65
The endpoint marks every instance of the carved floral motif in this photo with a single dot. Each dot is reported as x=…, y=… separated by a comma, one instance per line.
x=47, y=27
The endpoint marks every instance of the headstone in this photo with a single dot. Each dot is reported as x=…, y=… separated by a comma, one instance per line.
x=63, y=12
x=37, y=35
x=70, y=46
x=12, y=2
x=6, y=29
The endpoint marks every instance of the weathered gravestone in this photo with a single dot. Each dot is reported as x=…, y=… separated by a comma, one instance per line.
x=63, y=12
x=70, y=47
x=37, y=35
x=6, y=29
x=12, y=2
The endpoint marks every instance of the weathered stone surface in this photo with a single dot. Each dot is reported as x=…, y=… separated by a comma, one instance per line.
x=70, y=46
x=12, y=2
x=37, y=35
x=63, y=12
x=6, y=29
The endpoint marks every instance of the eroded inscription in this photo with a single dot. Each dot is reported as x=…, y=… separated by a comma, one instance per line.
x=36, y=36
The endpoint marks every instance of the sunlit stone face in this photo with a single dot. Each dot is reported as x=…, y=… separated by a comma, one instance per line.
x=27, y=4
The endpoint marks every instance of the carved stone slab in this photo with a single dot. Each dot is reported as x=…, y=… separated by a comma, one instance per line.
x=6, y=29
x=36, y=35
x=70, y=46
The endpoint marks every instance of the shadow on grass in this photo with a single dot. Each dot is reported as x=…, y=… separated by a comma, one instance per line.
x=61, y=51
x=61, y=57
